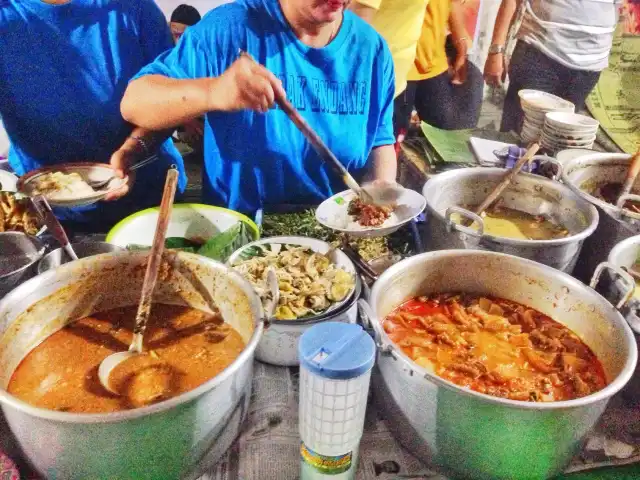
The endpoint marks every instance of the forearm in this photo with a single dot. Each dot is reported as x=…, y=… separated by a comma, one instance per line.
x=384, y=164
x=156, y=102
x=457, y=27
x=503, y=21
x=146, y=141
x=363, y=11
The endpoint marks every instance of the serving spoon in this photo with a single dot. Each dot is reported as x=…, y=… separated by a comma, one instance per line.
x=150, y=278
x=53, y=225
x=370, y=194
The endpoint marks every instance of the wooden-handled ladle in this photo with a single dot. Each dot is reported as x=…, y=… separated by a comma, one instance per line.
x=632, y=175
x=374, y=196
x=150, y=277
x=505, y=182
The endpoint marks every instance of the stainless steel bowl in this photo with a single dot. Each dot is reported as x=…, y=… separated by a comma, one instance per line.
x=58, y=257
x=471, y=435
x=279, y=344
x=533, y=194
x=177, y=438
x=25, y=251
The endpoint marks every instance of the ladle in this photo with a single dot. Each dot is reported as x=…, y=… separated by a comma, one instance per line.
x=508, y=178
x=632, y=174
x=53, y=225
x=150, y=277
x=370, y=194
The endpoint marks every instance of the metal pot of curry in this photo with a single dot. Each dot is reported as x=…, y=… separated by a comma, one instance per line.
x=492, y=366
x=535, y=218
x=180, y=405
x=597, y=178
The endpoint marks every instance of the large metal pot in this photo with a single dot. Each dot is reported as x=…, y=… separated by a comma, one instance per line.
x=17, y=244
x=620, y=288
x=582, y=175
x=446, y=192
x=472, y=435
x=177, y=438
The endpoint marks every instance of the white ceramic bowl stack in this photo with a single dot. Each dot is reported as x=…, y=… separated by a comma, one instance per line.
x=568, y=130
x=536, y=105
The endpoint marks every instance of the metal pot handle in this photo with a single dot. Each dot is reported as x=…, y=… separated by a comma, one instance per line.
x=367, y=316
x=627, y=197
x=629, y=282
x=464, y=213
x=545, y=159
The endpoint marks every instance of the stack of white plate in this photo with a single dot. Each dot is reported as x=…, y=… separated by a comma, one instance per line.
x=536, y=105
x=568, y=130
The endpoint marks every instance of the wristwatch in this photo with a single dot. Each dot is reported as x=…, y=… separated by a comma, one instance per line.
x=495, y=49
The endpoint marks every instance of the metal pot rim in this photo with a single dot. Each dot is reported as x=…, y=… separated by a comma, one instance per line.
x=611, y=389
x=583, y=234
x=39, y=256
x=609, y=160
x=6, y=399
x=114, y=248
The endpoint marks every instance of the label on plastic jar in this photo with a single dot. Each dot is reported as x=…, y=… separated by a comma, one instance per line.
x=328, y=465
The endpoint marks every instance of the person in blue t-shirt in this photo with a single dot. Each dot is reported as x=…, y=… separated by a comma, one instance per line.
x=334, y=68
x=64, y=67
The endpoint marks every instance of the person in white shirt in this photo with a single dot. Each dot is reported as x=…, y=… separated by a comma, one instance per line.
x=563, y=45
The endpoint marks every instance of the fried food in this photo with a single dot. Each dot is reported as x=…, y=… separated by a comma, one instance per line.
x=17, y=215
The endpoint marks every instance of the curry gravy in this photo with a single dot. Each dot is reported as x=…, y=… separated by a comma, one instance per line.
x=184, y=348
x=509, y=223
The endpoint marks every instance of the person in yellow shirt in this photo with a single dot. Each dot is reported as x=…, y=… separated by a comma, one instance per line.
x=444, y=87
x=399, y=22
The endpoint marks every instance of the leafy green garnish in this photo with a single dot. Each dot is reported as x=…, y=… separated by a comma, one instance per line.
x=181, y=243
x=250, y=252
x=221, y=246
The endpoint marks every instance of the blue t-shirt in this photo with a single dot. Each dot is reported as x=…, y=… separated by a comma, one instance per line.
x=63, y=73
x=344, y=90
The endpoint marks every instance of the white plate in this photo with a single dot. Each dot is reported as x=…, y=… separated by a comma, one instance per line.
x=337, y=257
x=549, y=130
x=8, y=181
x=332, y=213
x=90, y=172
x=572, y=121
x=568, y=143
x=538, y=100
x=188, y=220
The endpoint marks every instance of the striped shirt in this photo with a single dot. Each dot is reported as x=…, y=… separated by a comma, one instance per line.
x=576, y=33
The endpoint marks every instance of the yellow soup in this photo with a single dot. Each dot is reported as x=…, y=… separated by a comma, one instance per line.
x=510, y=223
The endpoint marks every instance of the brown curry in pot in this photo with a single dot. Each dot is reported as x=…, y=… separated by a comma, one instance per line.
x=184, y=348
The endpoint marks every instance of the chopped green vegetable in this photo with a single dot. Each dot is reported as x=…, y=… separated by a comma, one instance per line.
x=304, y=224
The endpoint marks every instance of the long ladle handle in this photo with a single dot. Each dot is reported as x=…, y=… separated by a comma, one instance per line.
x=315, y=141
x=508, y=178
x=155, y=257
x=632, y=174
